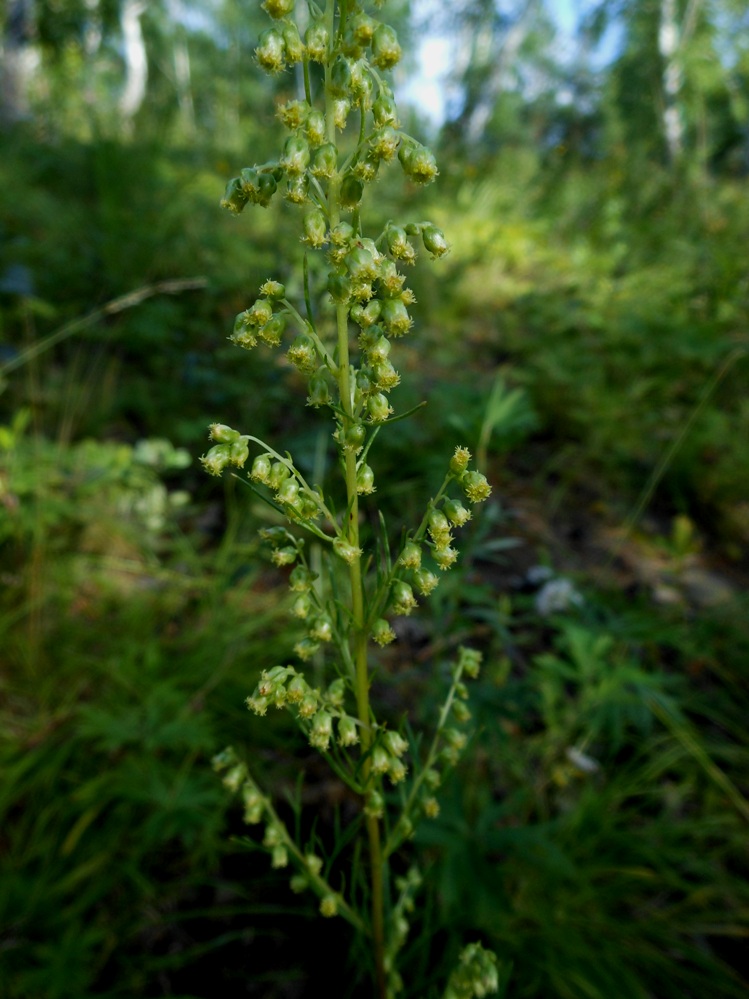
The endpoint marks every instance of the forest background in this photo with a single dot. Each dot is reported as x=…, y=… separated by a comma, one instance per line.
x=587, y=336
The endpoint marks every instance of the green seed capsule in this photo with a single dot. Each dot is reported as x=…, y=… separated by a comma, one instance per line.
x=418, y=163
x=315, y=127
x=315, y=228
x=316, y=40
x=293, y=47
x=363, y=28
x=340, y=77
x=351, y=191
x=271, y=51
x=434, y=241
x=365, y=481
x=295, y=156
x=339, y=286
x=261, y=468
x=273, y=330
x=325, y=161
x=384, y=110
x=395, y=316
x=235, y=197
x=278, y=8
x=378, y=408
x=386, y=52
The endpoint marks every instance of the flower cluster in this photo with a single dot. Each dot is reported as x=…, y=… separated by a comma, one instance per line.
x=342, y=339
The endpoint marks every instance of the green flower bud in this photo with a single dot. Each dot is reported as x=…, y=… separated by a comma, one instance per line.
x=329, y=906
x=313, y=864
x=295, y=156
x=397, y=771
x=306, y=649
x=432, y=778
x=324, y=161
x=273, y=289
x=470, y=661
x=394, y=742
x=456, y=513
x=351, y=191
x=431, y=807
x=294, y=114
x=226, y=758
x=296, y=689
x=235, y=197
x=398, y=244
x=389, y=278
x=288, y=492
x=380, y=760
x=348, y=552
x=259, y=313
x=384, y=110
x=258, y=705
x=321, y=730
x=352, y=439
x=316, y=40
x=341, y=108
x=455, y=738
x=301, y=579
x=234, y=777
x=336, y=691
x=384, y=143
x=339, y=286
x=273, y=835
x=385, y=376
x=308, y=705
x=273, y=330
x=279, y=856
x=382, y=633
x=302, y=354
x=216, y=459
x=374, y=805
x=315, y=228
x=222, y=434
x=271, y=51
x=363, y=28
x=461, y=714
x=365, y=481
x=410, y=557
x=386, y=51
x=365, y=170
x=378, y=408
x=297, y=188
x=395, y=317
x=348, y=733
x=445, y=557
x=361, y=265
x=301, y=607
x=418, y=163
x=319, y=389
x=340, y=77
x=298, y=884
x=279, y=472
x=284, y=556
x=438, y=527
x=293, y=47
x=377, y=348
x=315, y=127
x=426, y=581
x=342, y=234
x=260, y=471
x=459, y=461
x=434, y=241
x=402, y=600
x=475, y=486
x=259, y=187
x=322, y=629
x=362, y=84
x=278, y=8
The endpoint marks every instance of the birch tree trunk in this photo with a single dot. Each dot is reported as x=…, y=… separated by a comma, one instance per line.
x=19, y=59
x=136, y=60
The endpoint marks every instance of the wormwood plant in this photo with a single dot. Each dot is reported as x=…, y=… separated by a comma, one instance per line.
x=355, y=304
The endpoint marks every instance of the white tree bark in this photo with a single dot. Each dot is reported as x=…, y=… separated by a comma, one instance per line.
x=669, y=40
x=19, y=60
x=136, y=60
